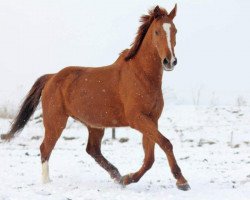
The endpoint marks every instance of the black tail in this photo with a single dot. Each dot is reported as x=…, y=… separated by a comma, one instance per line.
x=28, y=107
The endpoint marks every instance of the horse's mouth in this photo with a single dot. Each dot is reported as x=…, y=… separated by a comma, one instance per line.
x=168, y=68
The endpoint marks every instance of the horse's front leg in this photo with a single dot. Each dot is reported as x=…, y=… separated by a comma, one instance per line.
x=148, y=146
x=149, y=129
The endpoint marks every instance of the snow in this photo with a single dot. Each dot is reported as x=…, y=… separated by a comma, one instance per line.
x=211, y=144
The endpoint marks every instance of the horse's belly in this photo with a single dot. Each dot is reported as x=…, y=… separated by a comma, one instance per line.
x=99, y=112
x=104, y=117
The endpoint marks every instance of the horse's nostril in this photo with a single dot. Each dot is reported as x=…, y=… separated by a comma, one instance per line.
x=175, y=62
x=165, y=61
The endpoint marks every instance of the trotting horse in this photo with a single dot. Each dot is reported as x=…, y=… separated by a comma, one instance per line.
x=126, y=93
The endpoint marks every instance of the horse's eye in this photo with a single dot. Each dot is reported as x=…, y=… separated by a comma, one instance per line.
x=156, y=33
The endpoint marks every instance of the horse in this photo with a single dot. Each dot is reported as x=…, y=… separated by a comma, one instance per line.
x=125, y=93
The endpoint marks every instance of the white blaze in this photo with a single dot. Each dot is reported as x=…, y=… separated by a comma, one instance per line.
x=45, y=172
x=167, y=28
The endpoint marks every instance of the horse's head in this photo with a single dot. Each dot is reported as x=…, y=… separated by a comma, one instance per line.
x=164, y=31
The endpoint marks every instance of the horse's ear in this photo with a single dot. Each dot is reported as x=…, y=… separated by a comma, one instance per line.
x=157, y=12
x=172, y=14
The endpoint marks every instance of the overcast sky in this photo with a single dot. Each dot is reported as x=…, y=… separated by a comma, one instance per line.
x=43, y=36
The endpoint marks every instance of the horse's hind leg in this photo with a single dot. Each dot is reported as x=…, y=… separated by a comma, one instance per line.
x=148, y=147
x=54, y=123
x=94, y=149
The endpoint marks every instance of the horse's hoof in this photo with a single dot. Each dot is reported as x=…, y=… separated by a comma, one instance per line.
x=117, y=179
x=125, y=180
x=183, y=187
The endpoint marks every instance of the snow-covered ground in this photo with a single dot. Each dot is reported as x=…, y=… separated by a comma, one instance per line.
x=211, y=144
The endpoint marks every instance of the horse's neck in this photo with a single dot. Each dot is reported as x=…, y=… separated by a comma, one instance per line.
x=148, y=60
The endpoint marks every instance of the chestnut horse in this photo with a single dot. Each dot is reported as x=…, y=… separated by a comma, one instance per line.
x=126, y=93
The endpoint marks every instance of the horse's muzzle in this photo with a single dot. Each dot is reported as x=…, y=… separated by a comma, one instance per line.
x=169, y=66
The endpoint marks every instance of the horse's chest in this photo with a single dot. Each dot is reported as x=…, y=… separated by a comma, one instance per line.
x=152, y=103
x=157, y=106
